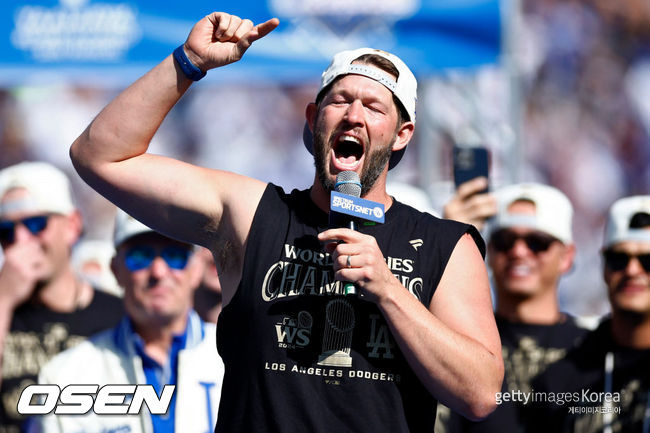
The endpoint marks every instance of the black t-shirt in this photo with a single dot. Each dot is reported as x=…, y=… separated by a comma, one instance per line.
x=302, y=357
x=527, y=351
x=597, y=383
x=36, y=335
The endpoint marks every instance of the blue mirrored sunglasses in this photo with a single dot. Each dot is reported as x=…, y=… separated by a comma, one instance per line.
x=141, y=256
x=34, y=224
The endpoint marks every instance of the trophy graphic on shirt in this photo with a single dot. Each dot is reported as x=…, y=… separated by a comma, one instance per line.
x=337, y=336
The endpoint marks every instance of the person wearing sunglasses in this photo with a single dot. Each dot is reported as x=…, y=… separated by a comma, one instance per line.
x=530, y=247
x=44, y=306
x=161, y=340
x=612, y=361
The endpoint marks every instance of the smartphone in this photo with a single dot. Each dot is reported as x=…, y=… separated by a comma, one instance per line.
x=469, y=163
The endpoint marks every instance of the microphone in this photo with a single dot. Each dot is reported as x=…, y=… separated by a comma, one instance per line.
x=348, y=183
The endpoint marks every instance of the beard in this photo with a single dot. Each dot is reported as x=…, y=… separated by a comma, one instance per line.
x=373, y=165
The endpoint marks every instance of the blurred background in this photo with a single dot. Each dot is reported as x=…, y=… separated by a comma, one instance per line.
x=557, y=90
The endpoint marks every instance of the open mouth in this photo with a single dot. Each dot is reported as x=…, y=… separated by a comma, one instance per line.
x=348, y=151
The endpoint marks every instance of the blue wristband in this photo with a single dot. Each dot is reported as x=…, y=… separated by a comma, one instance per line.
x=189, y=69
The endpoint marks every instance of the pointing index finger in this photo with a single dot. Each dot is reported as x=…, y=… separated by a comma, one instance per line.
x=267, y=27
x=258, y=32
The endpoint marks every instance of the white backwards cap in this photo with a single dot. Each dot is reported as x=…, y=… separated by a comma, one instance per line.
x=405, y=88
x=617, y=228
x=127, y=227
x=553, y=210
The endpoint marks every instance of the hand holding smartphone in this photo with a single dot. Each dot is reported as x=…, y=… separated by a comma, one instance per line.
x=471, y=203
x=470, y=163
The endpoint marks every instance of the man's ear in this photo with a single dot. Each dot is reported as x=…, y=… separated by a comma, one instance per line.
x=567, y=259
x=310, y=114
x=404, y=135
x=115, y=270
x=74, y=227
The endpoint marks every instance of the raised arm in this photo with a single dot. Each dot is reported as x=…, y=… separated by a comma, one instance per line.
x=191, y=203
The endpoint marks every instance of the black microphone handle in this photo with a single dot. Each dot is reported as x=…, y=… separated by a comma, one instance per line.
x=348, y=287
x=348, y=183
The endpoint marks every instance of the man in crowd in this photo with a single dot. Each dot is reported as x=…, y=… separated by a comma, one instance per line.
x=530, y=247
x=161, y=341
x=44, y=307
x=605, y=382
x=300, y=354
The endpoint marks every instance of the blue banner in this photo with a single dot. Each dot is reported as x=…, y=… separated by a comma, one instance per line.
x=113, y=41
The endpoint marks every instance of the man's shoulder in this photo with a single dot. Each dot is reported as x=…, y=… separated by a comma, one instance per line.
x=277, y=206
x=405, y=212
x=204, y=356
x=102, y=299
x=209, y=335
x=456, y=229
x=105, y=310
x=208, y=339
x=199, y=331
x=575, y=328
x=275, y=196
x=80, y=358
x=582, y=364
x=210, y=329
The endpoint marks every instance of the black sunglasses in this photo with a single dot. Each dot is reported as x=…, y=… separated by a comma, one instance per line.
x=537, y=242
x=618, y=260
x=35, y=225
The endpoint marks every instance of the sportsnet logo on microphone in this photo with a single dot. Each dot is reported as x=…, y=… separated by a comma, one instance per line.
x=357, y=207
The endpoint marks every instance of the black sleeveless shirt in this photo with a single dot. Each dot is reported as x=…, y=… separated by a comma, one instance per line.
x=302, y=357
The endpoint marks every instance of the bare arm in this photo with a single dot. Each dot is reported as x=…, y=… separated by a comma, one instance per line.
x=191, y=203
x=453, y=347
